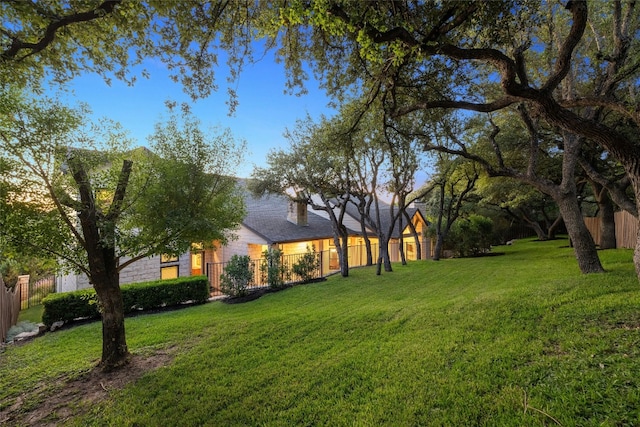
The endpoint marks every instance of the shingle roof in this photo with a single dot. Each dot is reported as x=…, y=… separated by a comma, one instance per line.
x=267, y=217
x=385, y=217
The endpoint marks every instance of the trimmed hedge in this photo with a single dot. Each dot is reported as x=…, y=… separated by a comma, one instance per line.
x=68, y=306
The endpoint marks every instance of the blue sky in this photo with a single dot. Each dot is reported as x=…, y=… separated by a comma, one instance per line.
x=263, y=113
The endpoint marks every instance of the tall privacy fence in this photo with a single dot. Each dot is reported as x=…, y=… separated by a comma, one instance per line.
x=9, y=308
x=626, y=229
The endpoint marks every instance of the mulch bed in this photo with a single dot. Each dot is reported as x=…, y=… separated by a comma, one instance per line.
x=254, y=294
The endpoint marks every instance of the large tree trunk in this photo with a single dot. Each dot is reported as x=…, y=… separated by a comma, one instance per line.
x=437, y=252
x=583, y=245
x=607, y=219
x=115, y=352
x=99, y=242
x=383, y=256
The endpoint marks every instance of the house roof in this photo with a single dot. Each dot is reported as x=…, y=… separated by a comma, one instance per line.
x=385, y=217
x=267, y=217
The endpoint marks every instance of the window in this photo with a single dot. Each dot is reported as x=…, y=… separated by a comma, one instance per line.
x=164, y=258
x=411, y=249
x=170, y=272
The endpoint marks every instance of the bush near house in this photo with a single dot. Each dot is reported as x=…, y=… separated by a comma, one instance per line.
x=274, y=271
x=237, y=276
x=82, y=304
x=306, y=268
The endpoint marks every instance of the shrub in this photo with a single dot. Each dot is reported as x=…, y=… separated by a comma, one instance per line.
x=273, y=270
x=237, y=276
x=307, y=265
x=471, y=236
x=68, y=306
x=21, y=327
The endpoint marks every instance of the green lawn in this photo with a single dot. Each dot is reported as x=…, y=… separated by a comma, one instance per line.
x=518, y=340
x=31, y=314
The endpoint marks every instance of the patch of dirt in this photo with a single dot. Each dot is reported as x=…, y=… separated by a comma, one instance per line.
x=66, y=397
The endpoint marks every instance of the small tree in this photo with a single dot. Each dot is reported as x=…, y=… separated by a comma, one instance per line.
x=237, y=276
x=272, y=268
x=471, y=236
x=307, y=266
x=78, y=192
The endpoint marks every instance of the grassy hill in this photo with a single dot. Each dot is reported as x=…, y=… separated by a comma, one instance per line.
x=518, y=339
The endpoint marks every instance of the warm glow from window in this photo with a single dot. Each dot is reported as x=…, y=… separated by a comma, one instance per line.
x=169, y=272
x=168, y=258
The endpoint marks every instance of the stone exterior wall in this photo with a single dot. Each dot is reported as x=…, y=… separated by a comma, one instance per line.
x=142, y=270
x=240, y=246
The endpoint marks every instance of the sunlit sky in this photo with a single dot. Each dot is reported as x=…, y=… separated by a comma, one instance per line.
x=263, y=113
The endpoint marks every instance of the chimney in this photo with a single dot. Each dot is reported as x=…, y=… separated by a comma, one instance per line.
x=297, y=213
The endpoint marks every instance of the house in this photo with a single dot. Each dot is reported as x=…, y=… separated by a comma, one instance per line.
x=273, y=221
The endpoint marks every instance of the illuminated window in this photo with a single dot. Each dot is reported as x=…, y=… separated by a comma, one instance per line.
x=170, y=272
x=410, y=249
x=164, y=258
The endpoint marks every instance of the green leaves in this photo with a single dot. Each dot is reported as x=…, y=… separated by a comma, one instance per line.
x=189, y=193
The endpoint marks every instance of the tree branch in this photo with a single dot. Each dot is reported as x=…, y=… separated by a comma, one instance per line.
x=601, y=102
x=579, y=12
x=462, y=105
x=118, y=197
x=17, y=45
x=617, y=194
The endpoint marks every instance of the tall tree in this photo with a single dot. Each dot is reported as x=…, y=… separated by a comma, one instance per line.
x=574, y=67
x=314, y=170
x=84, y=197
x=454, y=182
x=457, y=55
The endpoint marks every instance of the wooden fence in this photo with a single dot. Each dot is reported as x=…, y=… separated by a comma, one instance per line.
x=626, y=229
x=9, y=308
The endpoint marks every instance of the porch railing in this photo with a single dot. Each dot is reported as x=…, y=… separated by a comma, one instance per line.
x=328, y=263
x=215, y=269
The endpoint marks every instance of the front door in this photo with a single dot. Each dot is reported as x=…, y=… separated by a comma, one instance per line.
x=196, y=263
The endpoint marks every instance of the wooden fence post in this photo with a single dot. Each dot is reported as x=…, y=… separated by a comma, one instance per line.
x=9, y=308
